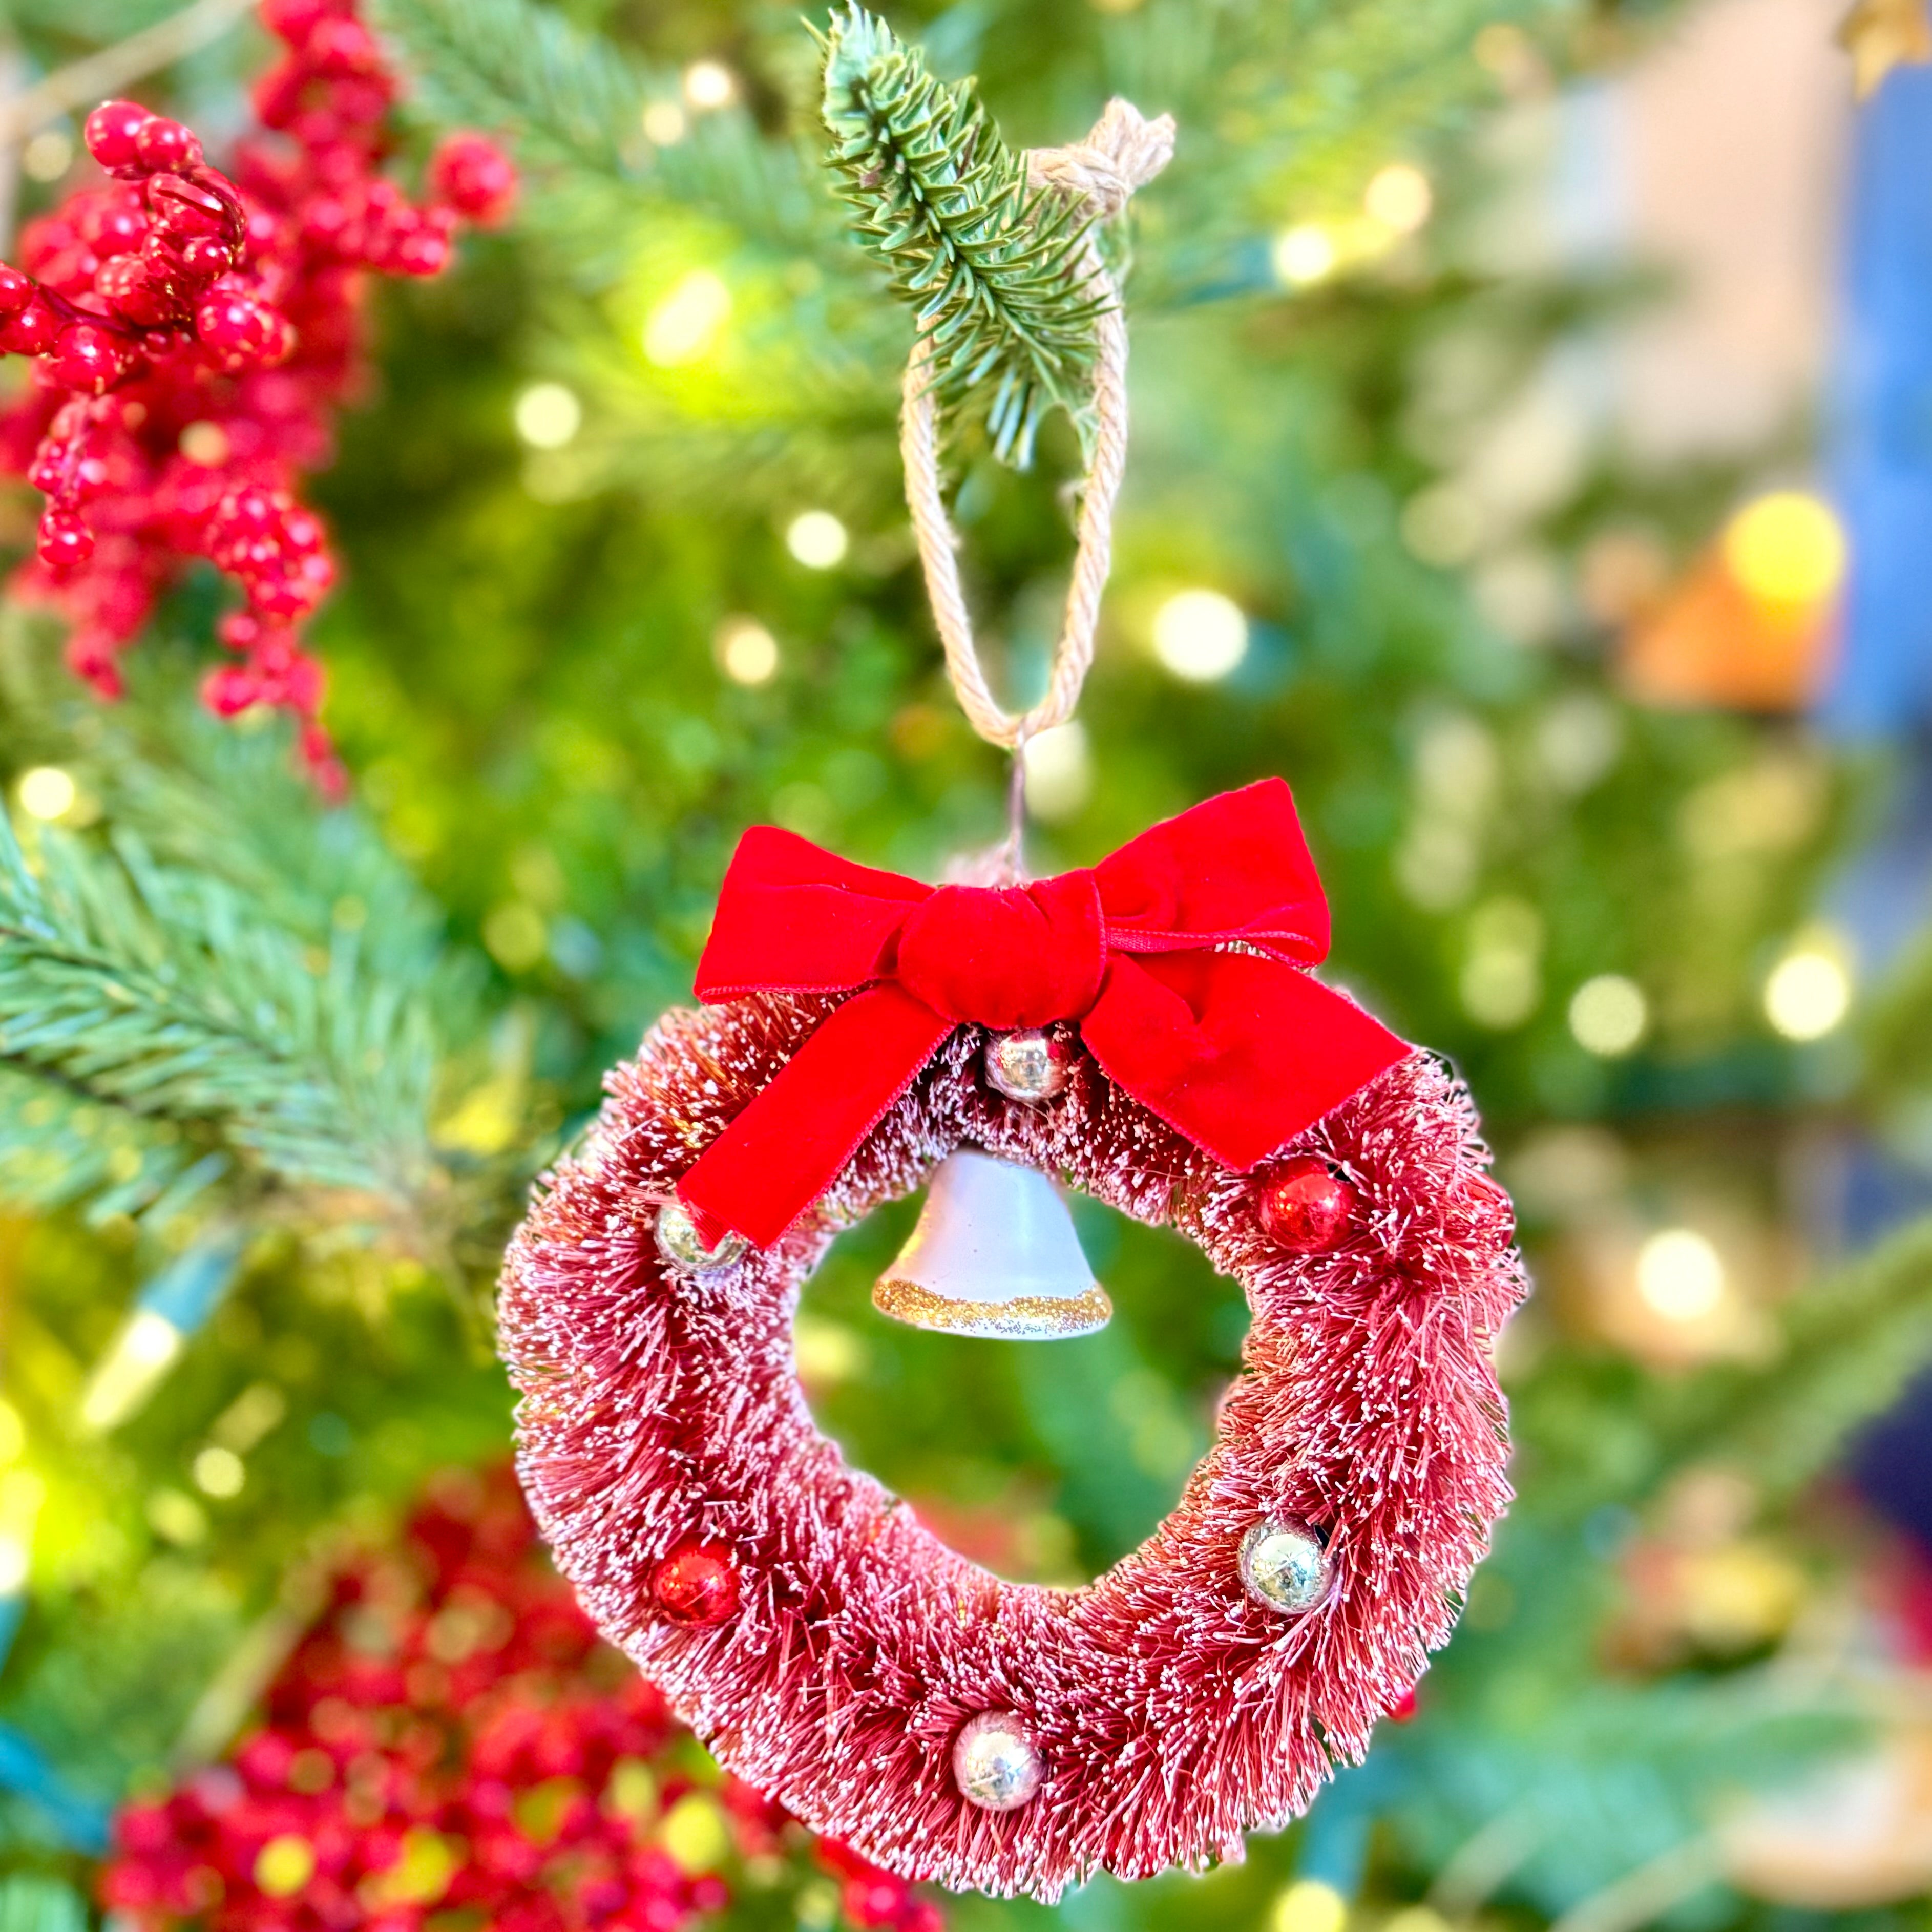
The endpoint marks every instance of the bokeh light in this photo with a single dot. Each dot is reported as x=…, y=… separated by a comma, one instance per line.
x=709, y=84
x=1059, y=772
x=664, y=124
x=47, y=792
x=818, y=539
x=748, y=653
x=1680, y=1275
x=1399, y=197
x=1309, y=1905
x=547, y=416
x=1608, y=1015
x=683, y=326
x=1809, y=992
x=1787, y=549
x=1200, y=635
x=1305, y=253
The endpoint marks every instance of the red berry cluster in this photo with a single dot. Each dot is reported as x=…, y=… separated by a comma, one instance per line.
x=873, y=1898
x=451, y=1742
x=195, y=333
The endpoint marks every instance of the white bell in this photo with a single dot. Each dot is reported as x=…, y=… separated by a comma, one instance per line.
x=994, y=1254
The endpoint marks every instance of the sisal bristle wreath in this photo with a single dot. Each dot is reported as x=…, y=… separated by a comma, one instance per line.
x=1173, y=1712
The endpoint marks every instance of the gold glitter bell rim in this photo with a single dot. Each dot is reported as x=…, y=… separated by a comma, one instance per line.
x=994, y=1254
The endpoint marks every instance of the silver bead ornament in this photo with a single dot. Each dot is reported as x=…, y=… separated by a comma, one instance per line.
x=679, y=1243
x=1030, y=1065
x=1284, y=1567
x=995, y=1763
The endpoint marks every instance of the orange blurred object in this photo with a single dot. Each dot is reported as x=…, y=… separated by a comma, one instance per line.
x=1708, y=642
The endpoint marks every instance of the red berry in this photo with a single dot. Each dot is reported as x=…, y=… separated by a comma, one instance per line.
x=89, y=359
x=182, y=208
x=293, y=20
x=203, y=257
x=16, y=290
x=162, y=143
x=474, y=177
x=1304, y=1206
x=125, y=285
x=230, y=689
x=114, y=225
x=113, y=133
x=34, y=331
x=64, y=542
x=1402, y=1711
x=697, y=1584
x=235, y=325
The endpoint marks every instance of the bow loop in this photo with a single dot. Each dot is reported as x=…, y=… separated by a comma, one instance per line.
x=1178, y=959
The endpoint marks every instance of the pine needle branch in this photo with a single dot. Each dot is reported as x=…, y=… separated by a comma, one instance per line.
x=166, y=996
x=991, y=266
x=571, y=96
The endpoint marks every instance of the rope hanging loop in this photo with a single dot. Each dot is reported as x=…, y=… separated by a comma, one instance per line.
x=1124, y=151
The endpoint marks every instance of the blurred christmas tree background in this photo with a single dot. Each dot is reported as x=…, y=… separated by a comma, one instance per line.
x=1513, y=381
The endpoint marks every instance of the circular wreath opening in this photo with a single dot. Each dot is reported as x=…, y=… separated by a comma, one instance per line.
x=1044, y=1463
x=834, y=1652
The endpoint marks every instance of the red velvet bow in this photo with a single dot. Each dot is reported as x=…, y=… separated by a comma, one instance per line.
x=1178, y=958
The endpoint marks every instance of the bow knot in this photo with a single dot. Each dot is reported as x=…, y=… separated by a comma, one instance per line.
x=1005, y=957
x=1179, y=958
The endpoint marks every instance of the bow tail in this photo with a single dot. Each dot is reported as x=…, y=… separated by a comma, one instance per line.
x=789, y=1143
x=1241, y=1053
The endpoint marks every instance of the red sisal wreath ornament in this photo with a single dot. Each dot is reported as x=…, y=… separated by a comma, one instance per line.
x=1148, y=1031
x=829, y=1648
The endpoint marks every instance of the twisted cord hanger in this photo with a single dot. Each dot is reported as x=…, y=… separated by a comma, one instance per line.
x=1124, y=151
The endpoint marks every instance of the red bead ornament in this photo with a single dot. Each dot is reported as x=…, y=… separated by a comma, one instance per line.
x=1171, y=1709
x=1304, y=1206
x=199, y=328
x=697, y=1585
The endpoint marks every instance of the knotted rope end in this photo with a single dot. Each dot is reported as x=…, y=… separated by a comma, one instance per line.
x=1124, y=151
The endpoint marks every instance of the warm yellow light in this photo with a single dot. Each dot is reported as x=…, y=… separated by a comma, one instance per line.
x=1787, y=548
x=1200, y=635
x=1608, y=1015
x=47, y=792
x=1399, y=197
x=748, y=653
x=1304, y=254
x=694, y=1833
x=1809, y=993
x=665, y=123
x=1680, y=1275
x=686, y=324
x=139, y=1357
x=47, y=156
x=219, y=1472
x=13, y=1433
x=1309, y=1906
x=709, y=84
x=14, y=1558
x=818, y=539
x=284, y=1865
x=547, y=416
x=1059, y=772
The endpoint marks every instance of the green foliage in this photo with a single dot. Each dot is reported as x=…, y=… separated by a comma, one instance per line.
x=165, y=993
x=992, y=266
x=28, y=1904
x=573, y=98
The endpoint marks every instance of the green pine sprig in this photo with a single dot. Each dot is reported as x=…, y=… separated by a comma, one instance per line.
x=130, y=988
x=992, y=265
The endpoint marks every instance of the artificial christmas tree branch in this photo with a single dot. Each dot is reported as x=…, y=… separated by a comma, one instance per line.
x=994, y=267
x=163, y=994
